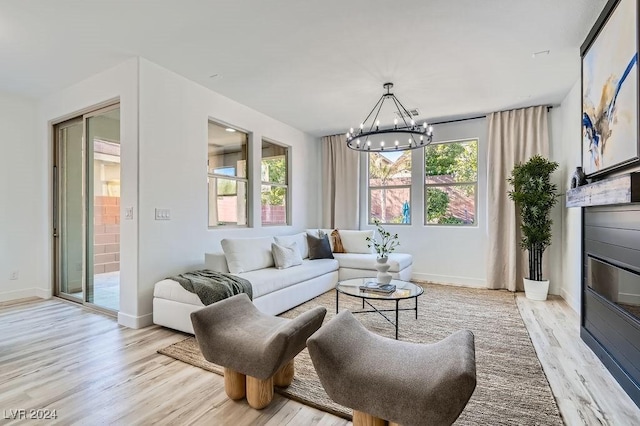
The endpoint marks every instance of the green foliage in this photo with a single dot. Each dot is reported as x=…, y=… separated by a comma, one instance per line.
x=387, y=244
x=274, y=170
x=437, y=204
x=535, y=196
x=455, y=159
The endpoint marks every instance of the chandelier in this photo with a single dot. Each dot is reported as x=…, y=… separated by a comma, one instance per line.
x=370, y=137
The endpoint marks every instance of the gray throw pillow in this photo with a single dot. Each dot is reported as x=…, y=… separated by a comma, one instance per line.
x=319, y=248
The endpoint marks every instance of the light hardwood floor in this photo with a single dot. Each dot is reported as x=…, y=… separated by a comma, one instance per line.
x=584, y=389
x=55, y=355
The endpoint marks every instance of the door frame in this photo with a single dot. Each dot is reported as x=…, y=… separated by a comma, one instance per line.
x=83, y=116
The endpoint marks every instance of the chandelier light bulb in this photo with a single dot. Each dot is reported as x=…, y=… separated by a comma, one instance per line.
x=361, y=125
x=413, y=123
x=430, y=129
x=396, y=143
x=358, y=142
x=424, y=124
x=395, y=121
x=351, y=131
x=381, y=143
x=368, y=143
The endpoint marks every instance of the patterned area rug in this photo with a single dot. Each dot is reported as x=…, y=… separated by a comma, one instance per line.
x=511, y=386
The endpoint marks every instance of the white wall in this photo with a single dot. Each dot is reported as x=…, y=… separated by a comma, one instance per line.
x=445, y=254
x=566, y=150
x=174, y=113
x=20, y=248
x=120, y=82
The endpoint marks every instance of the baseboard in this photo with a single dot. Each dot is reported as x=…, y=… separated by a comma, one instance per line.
x=44, y=293
x=24, y=294
x=132, y=321
x=451, y=280
x=572, y=302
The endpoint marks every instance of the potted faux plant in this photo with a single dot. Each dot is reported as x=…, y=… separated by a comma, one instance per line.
x=387, y=244
x=535, y=196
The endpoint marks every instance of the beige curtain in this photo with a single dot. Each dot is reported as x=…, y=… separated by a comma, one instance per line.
x=514, y=136
x=340, y=184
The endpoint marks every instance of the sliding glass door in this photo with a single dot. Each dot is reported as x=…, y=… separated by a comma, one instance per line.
x=87, y=208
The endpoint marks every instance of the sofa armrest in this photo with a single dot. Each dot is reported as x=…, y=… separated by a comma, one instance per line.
x=216, y=262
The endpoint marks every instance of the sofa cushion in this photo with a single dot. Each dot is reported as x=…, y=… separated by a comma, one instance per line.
x=300, y=239
x=398, y=261
x=319, y=247
x=172, y=290
x=356, y=241
x=265, y=281
x=286, y=256
x=247, y=254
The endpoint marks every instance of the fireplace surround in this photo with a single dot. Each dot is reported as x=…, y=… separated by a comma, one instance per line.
x=610, y=317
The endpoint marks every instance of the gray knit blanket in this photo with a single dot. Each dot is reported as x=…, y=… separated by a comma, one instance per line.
x=212, y=286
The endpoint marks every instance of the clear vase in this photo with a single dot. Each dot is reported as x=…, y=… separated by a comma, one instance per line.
x=382, y=266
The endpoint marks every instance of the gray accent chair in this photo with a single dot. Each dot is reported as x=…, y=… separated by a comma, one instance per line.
x=255, y=349
x=385, y=380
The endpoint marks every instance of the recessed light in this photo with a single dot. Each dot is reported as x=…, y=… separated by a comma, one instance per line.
x=230, y=130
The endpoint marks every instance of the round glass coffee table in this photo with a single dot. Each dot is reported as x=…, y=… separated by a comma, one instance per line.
x=404, y=290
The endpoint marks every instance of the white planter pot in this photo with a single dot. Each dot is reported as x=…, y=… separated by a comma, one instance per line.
x=536, y=290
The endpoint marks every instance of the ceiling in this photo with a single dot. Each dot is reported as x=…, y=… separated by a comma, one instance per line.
x=316, y=65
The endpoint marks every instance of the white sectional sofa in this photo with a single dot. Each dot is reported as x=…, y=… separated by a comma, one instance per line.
x=274, y=290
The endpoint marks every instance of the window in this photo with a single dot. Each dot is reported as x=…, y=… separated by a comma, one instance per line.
x=274, y=195
x=227, y=176
x=451, y=183
x=390, y=187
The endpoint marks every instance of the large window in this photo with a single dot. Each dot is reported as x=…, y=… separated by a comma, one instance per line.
x=390, y=187
x=451, y=183
x=274, y=195
x=227, y=169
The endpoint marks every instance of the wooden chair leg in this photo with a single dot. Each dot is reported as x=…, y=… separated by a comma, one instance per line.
x=284, y=376
x=259, y=392
x=364, y=419
x=234, y=384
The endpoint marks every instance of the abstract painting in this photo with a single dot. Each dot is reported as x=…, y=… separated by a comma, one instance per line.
x=610, y=90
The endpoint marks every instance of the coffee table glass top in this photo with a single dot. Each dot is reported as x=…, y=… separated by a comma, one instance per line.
x=404, y=289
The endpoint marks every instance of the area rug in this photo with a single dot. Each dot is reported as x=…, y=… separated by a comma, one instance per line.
x=511, y=386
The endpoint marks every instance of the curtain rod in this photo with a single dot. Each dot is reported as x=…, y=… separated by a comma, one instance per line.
x=478, y=116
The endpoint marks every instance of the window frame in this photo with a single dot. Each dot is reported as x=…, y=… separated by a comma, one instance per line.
x=426, y=185
x=382, y=187
x=286, y=185
x=216, y=176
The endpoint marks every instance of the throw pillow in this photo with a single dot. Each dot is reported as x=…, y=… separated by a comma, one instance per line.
x=337, y=242
x=300, y=239
x=247, y=254
x=286, y=256
x=318, y=232
x=319, y=248
x=356, y=241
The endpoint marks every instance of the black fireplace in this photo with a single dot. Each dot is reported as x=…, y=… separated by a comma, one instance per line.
x=611, y=291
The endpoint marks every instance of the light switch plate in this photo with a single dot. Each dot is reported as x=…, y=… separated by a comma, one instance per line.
x=128, y=213
x=163, y=214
